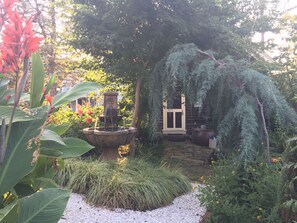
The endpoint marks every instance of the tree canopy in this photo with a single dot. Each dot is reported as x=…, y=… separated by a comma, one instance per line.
x=241, y=99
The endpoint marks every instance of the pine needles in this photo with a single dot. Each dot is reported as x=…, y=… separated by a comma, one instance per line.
x=134, y=184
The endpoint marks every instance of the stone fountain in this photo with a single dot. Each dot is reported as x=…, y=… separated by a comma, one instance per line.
x=110, y=136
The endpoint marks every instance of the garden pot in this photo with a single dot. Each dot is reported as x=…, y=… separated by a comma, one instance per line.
x=201, y=136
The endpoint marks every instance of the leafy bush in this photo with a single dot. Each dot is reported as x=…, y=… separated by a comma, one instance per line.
x=245, y=195
x=84, y=117
x=133, y=184
x=289, y=183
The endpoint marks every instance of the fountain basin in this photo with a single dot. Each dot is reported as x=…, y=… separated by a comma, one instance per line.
x=109, y=141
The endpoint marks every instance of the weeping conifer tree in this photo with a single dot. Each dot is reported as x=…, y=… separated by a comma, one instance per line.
x=240, y=98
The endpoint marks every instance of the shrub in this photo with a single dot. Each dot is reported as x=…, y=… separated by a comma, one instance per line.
x=84, y=117
x=289, y=183
x=133, y=184
x=245, y=195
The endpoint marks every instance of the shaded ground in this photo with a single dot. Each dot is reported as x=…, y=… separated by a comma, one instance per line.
x=194, y=160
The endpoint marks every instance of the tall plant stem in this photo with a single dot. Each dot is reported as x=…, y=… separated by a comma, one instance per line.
x=265, y=131
x=2, y=140
x=19, y=87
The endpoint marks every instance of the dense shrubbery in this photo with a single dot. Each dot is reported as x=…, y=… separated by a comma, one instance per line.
x=245, y=195
x=133, y=184
x=289, y=184
x=84, y=117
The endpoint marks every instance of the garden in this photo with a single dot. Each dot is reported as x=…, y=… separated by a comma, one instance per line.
x=148, y=111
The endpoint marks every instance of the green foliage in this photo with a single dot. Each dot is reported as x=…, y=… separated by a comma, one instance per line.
x=26, y=187
x=289, y=183
x=150, y=153
x=111, y=83
x=19, y=153
x=37, y=81
x=285, y=72
x=77, y=91
x=85, y=116
x=45, y=206
x=234, y=93
x=279, y=135
x=129, y=184
x=245, y=195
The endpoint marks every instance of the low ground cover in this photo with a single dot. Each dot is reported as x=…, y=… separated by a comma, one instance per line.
x=130, y=184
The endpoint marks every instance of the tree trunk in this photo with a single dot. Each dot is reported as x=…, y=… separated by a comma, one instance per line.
x=265, y=131
x=135, y=114
x=136, y=103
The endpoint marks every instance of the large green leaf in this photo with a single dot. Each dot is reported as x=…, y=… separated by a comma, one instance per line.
x=6, y=96
x=37, y=81
x=43, y=173
x=9, y=214
x=78, y=91
x=74, y=148
x=5, y=113
x=49, y=135
x=46, y=206
x=18, y=158
x=59, y=129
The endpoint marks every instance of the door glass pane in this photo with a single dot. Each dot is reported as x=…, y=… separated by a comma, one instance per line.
x=169, y=119
x=178, y=119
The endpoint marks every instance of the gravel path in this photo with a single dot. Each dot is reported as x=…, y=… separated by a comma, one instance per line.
x=184, y=209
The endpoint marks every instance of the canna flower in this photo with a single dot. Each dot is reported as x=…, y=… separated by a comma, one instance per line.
x=5, y=9
x=49, y=99
x=19, y=41
x=89, y=112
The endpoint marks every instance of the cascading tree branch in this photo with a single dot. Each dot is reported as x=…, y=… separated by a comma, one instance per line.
x=240, y=98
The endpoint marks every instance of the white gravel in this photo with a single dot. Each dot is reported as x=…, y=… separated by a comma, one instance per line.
x=184, y=209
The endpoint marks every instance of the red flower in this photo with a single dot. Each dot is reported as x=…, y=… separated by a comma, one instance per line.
x=79, y=112
x=5, y=8
x=89, y=120
x=89, y=112
x=18, y=41
x=49, y=99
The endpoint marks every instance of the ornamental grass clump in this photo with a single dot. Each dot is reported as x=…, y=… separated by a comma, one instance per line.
x=133, y=184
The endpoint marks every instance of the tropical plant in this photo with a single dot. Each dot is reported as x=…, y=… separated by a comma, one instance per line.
x=30, y=149
x=29, y=163
x=130, y=184
x=240, y=98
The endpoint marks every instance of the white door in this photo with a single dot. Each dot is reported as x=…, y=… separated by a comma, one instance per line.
x=174, y=118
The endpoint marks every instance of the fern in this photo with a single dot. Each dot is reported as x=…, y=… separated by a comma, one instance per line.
x=234, y=92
